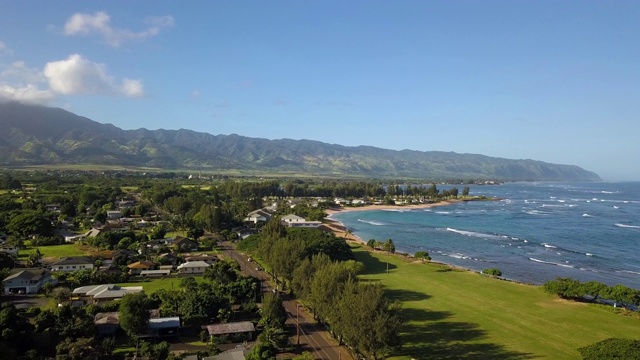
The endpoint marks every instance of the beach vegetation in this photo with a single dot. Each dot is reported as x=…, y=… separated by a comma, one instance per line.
x=495, y=272
x=422, y=255
x=569, y=288
x=372, y=243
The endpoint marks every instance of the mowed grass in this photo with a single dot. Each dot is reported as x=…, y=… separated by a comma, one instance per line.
x=58, y=251
x=153, y=285
x=452, y=314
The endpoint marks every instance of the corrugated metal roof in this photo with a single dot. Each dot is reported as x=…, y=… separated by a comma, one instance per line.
x=230, y=328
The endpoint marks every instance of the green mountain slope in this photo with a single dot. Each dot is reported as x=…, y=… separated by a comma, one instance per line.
x=41, y=135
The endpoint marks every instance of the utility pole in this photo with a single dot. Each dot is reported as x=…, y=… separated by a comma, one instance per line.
x=297, y=325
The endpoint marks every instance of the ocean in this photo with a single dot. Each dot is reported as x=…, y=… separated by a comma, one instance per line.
x=534, y=233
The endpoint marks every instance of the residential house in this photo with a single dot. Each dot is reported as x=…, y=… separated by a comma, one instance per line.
x=241, y=327
x=137, y=267
x=293, y=220
x=114, y=214
x=167, y=258
x=183, y=244
x=193, y=267
x=106, y=323
x=26, y=281
x=99, y=294
x=209, y=259
x=155, y=273
x=238, y=353
x=9, y=249
x=72, y=263
x=163, y=327
x=257, y=216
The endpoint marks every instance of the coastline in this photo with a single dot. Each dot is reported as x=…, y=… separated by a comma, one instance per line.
x=340, y=230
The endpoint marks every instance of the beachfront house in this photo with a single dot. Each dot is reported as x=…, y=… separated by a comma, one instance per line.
x=293, y=220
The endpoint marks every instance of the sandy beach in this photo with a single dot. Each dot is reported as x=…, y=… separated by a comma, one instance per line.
x=342, y=231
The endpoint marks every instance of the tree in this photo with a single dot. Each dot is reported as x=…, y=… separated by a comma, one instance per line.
x=388, y=246
x=77, y=349
x=34, y=258
x=273, y=312
x=134, y=314
x=61, y=294
x=262, y=351
x=612, y=348
x=372, y=243
x=224, y=272
x=465, y=191
x=30, y=223
x=422, y=255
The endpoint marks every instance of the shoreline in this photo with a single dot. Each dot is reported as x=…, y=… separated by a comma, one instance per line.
x=340, y=230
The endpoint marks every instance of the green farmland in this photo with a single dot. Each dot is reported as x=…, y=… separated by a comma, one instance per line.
x=453, y=314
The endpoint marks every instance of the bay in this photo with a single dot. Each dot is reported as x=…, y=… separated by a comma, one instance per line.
x=534, y=233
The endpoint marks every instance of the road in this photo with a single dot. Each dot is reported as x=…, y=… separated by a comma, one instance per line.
x=313, y=338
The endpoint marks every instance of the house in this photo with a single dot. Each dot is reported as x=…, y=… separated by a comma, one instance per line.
x=257, y=216
x=53, y=207
x=26, y=281
x=184, y=244
x=137, y=267
x=99, y=294
x=9, y=249
x=193, y=267
x=241, y=327
x=238, y=353
x=291, y=218
x=209, y=259
x=106, y=323
x=155, y=273
x=114, y=214
x=163, y=327
x=72, y=263
x=167, y=258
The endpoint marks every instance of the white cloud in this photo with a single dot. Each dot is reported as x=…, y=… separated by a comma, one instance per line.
x=74, y=75
x=99, y=23
x=77, y=75
x=27, y=93
x=132, y=88
x=4, y=49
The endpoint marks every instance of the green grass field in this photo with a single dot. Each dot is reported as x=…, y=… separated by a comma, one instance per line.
x=57, y=250
x=152, y=285
x=452, y=314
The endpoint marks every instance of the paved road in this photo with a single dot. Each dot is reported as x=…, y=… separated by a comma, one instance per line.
x=313, y=338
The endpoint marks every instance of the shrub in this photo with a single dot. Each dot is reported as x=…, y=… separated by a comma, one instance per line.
x=495, y=272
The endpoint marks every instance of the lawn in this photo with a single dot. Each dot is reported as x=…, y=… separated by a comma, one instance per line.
x=152, y=285
x=460, y=314
x=58, y=250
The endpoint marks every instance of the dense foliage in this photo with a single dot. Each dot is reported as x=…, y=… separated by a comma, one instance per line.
x=612, y=349
x=568, y=288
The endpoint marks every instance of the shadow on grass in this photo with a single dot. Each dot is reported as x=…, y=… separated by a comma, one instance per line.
x=373, y=265
x=405, y=295
x=437, y=338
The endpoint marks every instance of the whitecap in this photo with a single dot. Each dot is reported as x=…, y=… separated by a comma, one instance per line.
x=627, y=226
x=616, y=207
x=475, y=234
x=372, y=222
x=588, y=254
x=549, y=246
x=586, y=215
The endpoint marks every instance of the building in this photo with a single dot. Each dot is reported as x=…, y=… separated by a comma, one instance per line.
x=257, y=216
x=114, y=214
x=99, y=294
x=137, y=267
x=72, y=263
x=163, y=327
x=183, y=244
x=241, y=327
x=209, y=259
x=193, y=267
x=26, y=281
x=9, y=249
x=293, y=220
x=155, y=273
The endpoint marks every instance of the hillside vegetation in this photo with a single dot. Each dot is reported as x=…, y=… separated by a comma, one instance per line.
x=36, y=135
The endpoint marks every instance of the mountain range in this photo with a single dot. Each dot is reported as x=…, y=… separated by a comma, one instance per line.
x=39, y=135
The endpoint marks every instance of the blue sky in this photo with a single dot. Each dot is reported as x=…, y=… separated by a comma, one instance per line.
x=557, y=81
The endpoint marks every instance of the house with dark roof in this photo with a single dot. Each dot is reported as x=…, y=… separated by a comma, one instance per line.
x=184, y=244
x=162, y=328
x=209, y=259
x=26, y=281
x=72, y=263
x=242, y=327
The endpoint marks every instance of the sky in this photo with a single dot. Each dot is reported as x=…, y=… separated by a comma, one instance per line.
x=556, y=81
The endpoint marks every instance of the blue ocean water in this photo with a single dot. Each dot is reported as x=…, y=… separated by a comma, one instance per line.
x=536, y=232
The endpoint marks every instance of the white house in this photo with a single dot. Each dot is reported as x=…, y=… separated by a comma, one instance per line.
x=27, y=281
x=292, y=218
x=257, y=216
x=114, y=214
x=193, y=267
x=9, y=249
x=97, y=294
x=72, y=263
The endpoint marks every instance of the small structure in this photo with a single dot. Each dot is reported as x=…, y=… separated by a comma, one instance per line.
x=137, y=267
x=167, y=258
x=72, y=263
x=26, y=281
x=9, y=249
x=241, y=327
x=239, y=353
x=99, y=294
x=106, y=323
x=193, y=267
x=113, y=214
